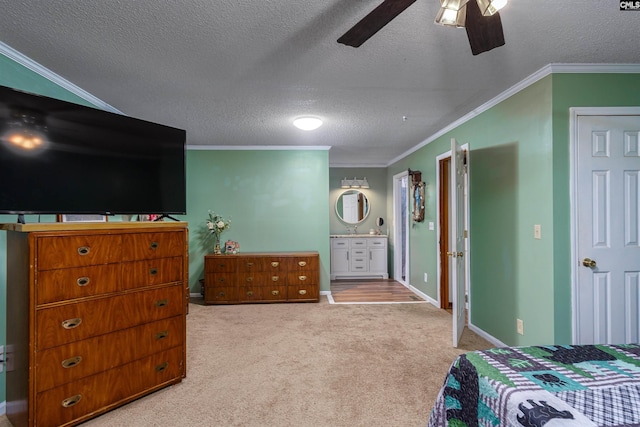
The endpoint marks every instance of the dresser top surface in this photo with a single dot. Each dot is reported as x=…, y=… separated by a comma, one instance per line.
x=265, y=254
x=356, y=236
x=72, y=226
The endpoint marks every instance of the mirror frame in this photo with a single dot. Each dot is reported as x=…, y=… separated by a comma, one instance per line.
x=354, y=191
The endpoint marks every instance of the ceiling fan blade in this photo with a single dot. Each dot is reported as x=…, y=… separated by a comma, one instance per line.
x=374, y=21
x=484, y=32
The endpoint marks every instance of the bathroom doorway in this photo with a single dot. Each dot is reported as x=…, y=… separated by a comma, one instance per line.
x=401, y=227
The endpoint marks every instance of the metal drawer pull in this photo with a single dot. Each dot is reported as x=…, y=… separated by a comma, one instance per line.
x=249, y=279
x=221, y=294
x=71, y=362
x=302, y=263
x=275, y=278
x=249, y=264
x=71, y=401
x=250, y=293
x=302, y=278
x=275, y=293
x=161, y=367
x=154, y=245
x=71, y=323
x=221, y=279
x=83, y=281
x=84, y=250
x=162, y=302
x=275, y=264
x=162, y=335
x=302, y=292
x=221, y=265
x=153, y=271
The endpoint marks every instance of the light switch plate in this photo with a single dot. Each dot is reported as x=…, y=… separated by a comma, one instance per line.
x=537, y=231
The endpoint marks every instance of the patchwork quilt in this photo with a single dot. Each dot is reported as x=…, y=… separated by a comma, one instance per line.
x=587, y=385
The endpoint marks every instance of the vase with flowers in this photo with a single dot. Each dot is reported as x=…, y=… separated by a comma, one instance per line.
x=216, y=224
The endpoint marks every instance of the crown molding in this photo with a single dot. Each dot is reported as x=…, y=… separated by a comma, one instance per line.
x=257, y=147
x=528, y=81
x=32, y=65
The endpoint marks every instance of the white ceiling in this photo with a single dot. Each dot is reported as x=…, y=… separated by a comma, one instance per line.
x=236, y=73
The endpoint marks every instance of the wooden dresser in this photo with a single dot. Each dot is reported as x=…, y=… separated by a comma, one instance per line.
x=262, y=277
x=96, y=317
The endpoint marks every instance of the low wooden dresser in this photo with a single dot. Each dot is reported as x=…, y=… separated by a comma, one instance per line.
x=96, y=317
x=262, y=277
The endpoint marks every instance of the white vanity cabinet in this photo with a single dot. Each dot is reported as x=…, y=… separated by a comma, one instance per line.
x=358, y=256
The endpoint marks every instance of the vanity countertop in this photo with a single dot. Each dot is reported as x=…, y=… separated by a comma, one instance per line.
x=334, y=236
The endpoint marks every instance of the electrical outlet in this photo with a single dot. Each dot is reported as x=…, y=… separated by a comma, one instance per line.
x=2, y=358
x=537, y=231
x=520, y=326
x=425, y=278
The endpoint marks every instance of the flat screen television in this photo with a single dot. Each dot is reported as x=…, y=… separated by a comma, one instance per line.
x=57, y=157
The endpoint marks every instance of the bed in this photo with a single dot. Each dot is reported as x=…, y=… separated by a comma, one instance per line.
x=587, y=385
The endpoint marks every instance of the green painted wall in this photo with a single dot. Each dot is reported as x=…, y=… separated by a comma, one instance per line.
x=519, y=176
x=510, y=190
x=276, y=200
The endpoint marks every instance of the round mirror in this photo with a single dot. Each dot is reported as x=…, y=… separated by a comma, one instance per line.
x=352, y=206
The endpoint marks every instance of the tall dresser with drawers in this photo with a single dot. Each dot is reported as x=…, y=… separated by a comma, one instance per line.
x=262, y=277
x=96, y=317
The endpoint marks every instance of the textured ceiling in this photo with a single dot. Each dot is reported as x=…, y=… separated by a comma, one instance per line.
x=236, y=73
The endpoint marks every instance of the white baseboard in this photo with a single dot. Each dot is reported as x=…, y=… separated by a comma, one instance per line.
x=422, y=295
x=493, y=340
x=3, y=407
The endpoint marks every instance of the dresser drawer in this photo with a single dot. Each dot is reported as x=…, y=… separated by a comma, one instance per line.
x=70, y=362
x=79, y=282
x=78, y=321
x=140, y=274
x=307, y=263
x=359, y=243
x=306, y=292
x=78, y=250
x=255, y=279
x=275, y=264
x=220, y=264
x=274, y=293
x=81, y=398
x=153, y=245
x=220, y=280
x=250, y=293
x=246, y=265
x=220, y=294
x=302, y=278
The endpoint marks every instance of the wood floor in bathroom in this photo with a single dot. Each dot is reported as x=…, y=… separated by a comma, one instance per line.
x=371, y=290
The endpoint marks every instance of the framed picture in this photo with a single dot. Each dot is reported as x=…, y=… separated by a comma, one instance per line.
x=82, y=218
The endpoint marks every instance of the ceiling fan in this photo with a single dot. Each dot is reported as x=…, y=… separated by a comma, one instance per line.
x=479, y=17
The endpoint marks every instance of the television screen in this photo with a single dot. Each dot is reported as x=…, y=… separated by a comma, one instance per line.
x=57, y=157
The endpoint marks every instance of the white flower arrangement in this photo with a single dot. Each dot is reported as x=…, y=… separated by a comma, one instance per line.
x=216, y=224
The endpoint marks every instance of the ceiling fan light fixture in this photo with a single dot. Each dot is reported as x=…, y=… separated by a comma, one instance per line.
x=490, y=7
x=307, y=123
x=452, y=13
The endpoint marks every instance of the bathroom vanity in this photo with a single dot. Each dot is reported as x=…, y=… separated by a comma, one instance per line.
x=358, y=255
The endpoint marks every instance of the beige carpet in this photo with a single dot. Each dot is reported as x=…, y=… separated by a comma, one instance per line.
x=305, y=365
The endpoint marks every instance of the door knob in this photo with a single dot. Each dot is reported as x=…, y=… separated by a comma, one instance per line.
x=460, y=254
x=588, y=262
x=451, y=254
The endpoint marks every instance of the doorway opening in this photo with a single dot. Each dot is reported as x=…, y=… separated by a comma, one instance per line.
x=401, y=227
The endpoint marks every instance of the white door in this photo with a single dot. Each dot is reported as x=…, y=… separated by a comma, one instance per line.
x=607, y=229
x=457, y=239
x=350, y=208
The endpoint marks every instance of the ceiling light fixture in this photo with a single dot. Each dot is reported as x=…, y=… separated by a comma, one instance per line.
x=490, y=7
x=452, y=13
x=307, y=123
x=354, y=183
